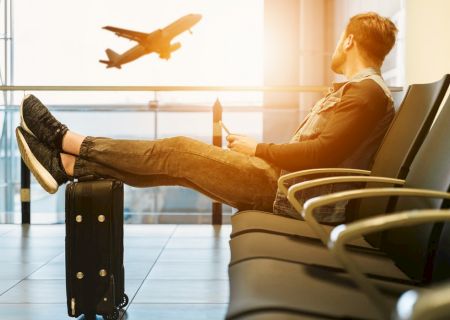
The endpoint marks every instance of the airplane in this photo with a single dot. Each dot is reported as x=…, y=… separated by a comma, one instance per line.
x=158, y=41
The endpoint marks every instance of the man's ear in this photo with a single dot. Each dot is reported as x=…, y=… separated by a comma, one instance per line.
x=348, y=42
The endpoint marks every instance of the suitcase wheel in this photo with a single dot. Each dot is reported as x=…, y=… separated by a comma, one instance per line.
x=113, y=316
x=124, y=302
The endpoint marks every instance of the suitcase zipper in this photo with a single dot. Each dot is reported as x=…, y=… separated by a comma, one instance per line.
x=72, y=306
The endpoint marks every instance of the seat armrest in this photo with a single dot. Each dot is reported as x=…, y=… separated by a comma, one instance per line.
x=313, y=203
x=433, y=303
x=299, y=207
x=302, y=173
x=342, y=234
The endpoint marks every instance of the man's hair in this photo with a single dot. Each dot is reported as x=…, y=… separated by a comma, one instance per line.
x=375, y=35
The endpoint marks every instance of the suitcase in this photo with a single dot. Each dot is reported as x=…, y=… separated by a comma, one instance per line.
x=94, y=249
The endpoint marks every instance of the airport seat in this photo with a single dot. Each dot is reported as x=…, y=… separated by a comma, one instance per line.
x=430, y=169
x=425, y=303
x=396, y=152
x=263, y=286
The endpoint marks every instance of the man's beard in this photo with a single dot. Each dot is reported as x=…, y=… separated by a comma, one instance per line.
x=338, y=61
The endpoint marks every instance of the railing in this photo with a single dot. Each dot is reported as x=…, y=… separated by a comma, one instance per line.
x=175, y=88
x=155, y=106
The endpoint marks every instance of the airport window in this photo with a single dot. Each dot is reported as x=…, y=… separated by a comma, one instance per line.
x=65, y=49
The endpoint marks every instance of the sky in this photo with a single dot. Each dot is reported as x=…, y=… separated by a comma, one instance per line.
x=62, y=41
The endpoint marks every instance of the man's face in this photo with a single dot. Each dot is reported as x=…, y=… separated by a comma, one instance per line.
x=339, y=56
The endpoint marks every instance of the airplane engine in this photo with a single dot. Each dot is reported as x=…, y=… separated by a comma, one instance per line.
x=166, y=54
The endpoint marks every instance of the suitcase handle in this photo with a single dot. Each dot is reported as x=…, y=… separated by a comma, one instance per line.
x=89, y=178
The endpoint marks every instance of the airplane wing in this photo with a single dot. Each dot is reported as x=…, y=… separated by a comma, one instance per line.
x=129, y=34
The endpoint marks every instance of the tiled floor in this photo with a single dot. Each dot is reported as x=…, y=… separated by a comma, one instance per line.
x=172, y=272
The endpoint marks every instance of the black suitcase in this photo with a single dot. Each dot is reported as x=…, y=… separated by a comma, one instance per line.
x=94, y=249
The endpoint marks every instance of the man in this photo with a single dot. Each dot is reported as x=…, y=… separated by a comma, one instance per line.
x=344, y=129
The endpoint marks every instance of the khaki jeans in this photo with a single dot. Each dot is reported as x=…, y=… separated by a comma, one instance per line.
x=241, y=181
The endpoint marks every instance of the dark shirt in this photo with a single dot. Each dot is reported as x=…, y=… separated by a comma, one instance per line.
x=362, y=106
x=344, y=129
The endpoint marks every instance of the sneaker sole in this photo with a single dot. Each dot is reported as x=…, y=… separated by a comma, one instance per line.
x=41, y=174
x=22, y=120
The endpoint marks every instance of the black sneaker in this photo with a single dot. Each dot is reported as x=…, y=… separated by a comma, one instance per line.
x=43, y=162
x=39, y=122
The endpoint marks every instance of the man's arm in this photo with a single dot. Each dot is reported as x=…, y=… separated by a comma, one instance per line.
x=354, y=118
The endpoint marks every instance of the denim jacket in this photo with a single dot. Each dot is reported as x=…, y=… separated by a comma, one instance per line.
x=360, y=158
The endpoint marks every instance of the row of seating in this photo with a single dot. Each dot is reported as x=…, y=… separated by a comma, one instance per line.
x=283, y=268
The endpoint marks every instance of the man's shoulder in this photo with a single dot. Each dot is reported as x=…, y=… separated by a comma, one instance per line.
x=367, y=91
x=367, y=85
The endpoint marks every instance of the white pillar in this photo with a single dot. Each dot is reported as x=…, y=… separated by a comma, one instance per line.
x=297, y=34
x=281, y=67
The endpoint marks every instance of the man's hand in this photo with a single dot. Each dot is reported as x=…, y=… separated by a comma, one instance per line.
x=242, y=144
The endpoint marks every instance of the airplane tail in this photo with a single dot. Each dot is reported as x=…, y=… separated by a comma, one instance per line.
x=113, y=59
